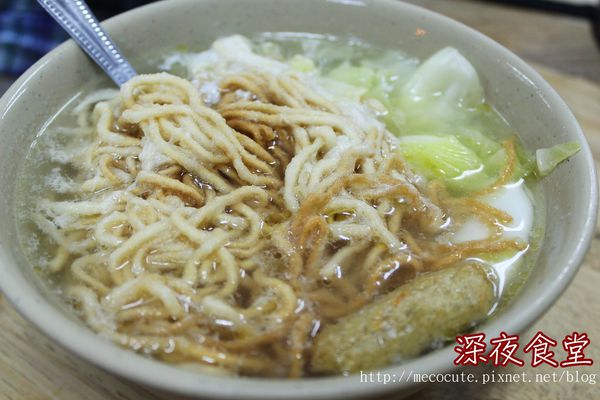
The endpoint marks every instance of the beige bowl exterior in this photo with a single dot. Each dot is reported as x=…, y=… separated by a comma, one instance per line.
x=530, y=105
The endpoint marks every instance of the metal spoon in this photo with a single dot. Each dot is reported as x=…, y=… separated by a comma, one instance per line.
x=78, y=20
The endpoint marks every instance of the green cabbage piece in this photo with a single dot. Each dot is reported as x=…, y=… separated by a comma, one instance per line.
x=392, y=68
x=442, y=94
x=446, y=158
x=525, y=162
x=439, y=157
x=353, y=75
x=341, y=90
x=432, y=98
x=467, y=163
x=547, y=159
x=446, y=78
x=437, y=109
x=524, y=165
x=303, y=64
x=482, y=145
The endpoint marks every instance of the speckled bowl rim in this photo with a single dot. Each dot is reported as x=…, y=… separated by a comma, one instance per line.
x=125, y=363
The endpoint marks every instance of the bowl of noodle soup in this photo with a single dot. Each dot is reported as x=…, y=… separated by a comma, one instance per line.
x=270, y=212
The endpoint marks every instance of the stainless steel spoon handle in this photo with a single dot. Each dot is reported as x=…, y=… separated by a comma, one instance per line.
x=78, y=20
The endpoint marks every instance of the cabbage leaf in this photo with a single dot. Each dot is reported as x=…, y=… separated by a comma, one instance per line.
x=547, y=159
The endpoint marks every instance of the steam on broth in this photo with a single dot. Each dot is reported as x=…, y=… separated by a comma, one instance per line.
x=296, y=205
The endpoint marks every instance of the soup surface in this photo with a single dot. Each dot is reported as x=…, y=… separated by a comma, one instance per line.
x=288, y=206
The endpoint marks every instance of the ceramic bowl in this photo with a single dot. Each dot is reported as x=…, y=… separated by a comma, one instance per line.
x=528, y=103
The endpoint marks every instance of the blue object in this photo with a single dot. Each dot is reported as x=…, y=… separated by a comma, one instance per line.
x=27, y=32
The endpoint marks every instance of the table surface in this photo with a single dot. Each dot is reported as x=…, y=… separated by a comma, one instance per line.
x=32, y=367
x=562, y=42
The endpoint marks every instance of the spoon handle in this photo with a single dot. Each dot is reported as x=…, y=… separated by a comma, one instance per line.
x=78, y=20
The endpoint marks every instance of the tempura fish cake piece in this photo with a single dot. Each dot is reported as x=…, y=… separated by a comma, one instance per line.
x=405, y=322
